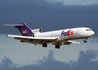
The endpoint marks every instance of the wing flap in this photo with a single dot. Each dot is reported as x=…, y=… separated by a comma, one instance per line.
x=69, y=42
x=75, y=42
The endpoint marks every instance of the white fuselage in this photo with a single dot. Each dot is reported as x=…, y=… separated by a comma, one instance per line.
x=68, y=34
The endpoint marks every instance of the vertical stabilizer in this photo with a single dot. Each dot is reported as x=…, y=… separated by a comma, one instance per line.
x=24, y=29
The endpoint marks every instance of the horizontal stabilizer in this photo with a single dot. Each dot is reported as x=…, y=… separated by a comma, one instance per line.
x=13, y=24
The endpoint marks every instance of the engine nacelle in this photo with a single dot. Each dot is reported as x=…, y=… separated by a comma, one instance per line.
x=37, y=31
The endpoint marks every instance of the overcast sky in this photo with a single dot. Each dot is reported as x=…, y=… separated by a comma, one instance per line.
x=75, y=2
x=48, y=15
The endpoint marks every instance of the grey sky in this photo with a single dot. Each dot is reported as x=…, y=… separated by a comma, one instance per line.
x=74, y=2
x=84, y=62
x=29, y=54
x=45, y=15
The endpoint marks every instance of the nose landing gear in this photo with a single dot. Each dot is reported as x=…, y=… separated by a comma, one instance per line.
x=85, y=41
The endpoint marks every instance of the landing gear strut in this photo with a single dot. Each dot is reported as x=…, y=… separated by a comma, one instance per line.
x=44, y=45
x=57, y=46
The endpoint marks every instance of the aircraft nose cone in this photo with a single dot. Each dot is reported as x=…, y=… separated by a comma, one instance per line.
x=93, y=32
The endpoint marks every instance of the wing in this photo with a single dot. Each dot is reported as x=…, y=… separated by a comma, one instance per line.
x=68, y=42
x=34, y=40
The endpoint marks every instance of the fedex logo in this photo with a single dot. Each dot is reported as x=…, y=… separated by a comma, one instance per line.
x=24, y=31
x=67, y=33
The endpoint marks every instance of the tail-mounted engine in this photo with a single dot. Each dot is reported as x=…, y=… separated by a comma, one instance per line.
x=37, y=31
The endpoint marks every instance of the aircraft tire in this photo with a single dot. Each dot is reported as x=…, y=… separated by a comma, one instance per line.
x=44, y=45
x=57, y=46
x=85, y=41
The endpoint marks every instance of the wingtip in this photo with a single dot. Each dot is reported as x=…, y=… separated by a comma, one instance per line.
x=5, y=35
x=78, y=42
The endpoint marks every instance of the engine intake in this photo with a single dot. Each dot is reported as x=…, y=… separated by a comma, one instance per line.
x=40, y=30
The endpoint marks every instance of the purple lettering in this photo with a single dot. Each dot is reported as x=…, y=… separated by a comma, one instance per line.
x=64, y=33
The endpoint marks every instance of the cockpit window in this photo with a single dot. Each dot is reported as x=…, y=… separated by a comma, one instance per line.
x=88, y=30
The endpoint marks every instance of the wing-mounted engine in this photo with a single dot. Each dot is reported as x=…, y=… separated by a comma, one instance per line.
x=37, y=31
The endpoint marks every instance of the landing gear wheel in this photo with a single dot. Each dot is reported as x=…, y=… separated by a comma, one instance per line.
x=44, y=45
x=85, y=41
x=57, y=46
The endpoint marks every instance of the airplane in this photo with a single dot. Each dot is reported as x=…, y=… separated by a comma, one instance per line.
x=57, y=38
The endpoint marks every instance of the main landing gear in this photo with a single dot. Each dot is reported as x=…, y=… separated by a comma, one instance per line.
x=44, y=45
x=57, y=46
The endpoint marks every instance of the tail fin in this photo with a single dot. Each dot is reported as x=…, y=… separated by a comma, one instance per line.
x=23, y=28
